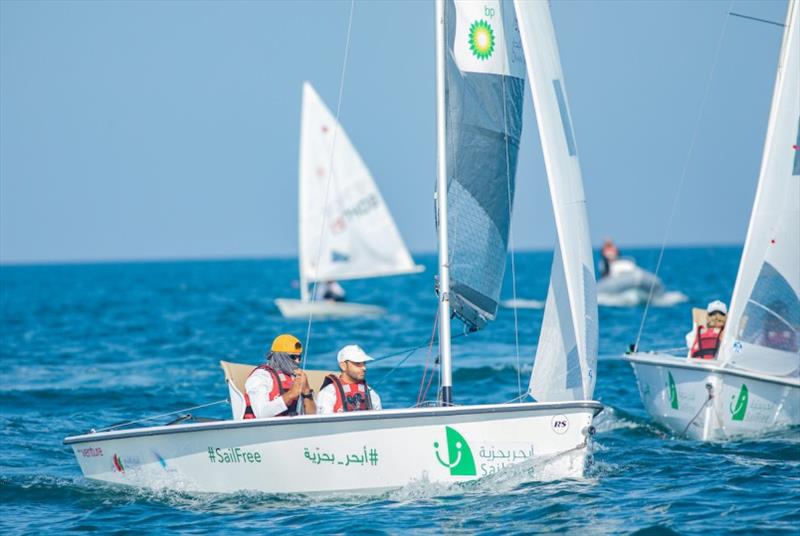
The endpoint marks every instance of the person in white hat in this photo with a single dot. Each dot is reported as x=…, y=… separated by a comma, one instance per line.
x=707, y=338
x=349, y=390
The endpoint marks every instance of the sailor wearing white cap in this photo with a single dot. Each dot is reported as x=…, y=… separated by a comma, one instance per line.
x=707, y=338
x=349, y=390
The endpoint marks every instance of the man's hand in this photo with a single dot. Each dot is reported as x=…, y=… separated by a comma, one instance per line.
x=300, y=384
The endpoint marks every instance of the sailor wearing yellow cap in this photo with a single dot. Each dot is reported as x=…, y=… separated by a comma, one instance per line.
x=272, y=389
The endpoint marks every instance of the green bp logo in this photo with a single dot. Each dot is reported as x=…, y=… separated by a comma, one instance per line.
x=481, y=39
x=459, y=455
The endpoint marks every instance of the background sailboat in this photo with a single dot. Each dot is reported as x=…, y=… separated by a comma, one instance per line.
x=754, y=385
x=345, y=228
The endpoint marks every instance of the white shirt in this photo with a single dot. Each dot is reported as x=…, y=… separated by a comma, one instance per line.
x=258, y=387
x=326, y=399
x=334, y=288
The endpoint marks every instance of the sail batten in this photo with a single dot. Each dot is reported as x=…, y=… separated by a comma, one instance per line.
x=346, y=230
x=763, y=328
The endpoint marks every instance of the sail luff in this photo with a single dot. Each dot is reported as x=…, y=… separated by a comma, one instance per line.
x=567, y=354
x=441, y=207
x=764, y=319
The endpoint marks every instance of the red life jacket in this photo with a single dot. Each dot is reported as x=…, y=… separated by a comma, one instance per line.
x=706, y=342
x=280, y=384
x=349, y=396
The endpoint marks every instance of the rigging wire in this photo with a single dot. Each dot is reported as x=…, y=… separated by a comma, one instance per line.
x=420, y=396
x=511, y=240
x=683, y=173
x=330, y=175
x=154, y=417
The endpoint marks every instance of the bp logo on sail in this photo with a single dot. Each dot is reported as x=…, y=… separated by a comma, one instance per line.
x=481, y=39
x=458, y=455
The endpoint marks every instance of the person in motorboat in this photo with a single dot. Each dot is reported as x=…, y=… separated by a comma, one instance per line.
x=608, y=254
x=329, y=291
x=273, y=389
x=706, y=339
x=349, y=390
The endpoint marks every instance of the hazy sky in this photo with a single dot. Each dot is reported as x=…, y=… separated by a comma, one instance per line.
x=133, y=130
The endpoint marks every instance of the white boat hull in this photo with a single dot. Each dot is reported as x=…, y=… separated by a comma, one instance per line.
x=353, y=452
x=628, y=287
x=326, y=309
x=702, y=400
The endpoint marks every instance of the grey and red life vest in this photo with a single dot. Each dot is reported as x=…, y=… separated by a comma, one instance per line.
x=706, y=342
x=280, y=384
x=349, y=396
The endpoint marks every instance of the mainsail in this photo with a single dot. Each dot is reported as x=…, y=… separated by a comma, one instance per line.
x=763, y=328
x=485, y=83
x=566, y=356
x=346, y=230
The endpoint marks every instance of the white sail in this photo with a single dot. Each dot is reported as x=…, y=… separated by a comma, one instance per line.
x=566, y=358
x=764, y=322
x=346, y=230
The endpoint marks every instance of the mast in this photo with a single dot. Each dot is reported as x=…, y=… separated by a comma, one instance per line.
x=441, y=207
x=301, y=193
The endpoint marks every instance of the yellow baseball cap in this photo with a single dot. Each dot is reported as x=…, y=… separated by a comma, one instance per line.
x=287, y=344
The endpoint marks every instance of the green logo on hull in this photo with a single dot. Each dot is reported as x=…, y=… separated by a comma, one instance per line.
x=459, y=456
x=673, y=391
x=738, y=410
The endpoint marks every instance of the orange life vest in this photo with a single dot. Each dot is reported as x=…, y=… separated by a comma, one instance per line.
x=349, y=396
x=280, y=384
x=706, y=342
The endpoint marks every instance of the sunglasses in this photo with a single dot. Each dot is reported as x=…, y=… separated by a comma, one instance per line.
x=716, y=313
x=296, y=357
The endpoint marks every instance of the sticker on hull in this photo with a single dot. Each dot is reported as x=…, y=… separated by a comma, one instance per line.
x=459, y=455
x=673, y=391
x=739, y=409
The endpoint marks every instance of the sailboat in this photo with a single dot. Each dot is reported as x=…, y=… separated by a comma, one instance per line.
x=754, y=384
x=346, y=230
x=480, y=59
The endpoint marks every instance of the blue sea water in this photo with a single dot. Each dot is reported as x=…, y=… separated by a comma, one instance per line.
x=85, y=346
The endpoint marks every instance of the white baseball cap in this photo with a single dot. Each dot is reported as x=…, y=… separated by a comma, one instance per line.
x=354, y=353
x=717, y=305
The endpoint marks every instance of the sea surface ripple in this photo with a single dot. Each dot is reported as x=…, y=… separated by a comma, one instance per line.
x=86, y=346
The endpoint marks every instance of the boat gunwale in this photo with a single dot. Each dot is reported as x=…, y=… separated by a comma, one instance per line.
x=312, y=419
x=669, y=360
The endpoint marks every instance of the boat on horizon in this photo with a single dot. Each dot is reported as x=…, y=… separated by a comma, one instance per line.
x=627, y=285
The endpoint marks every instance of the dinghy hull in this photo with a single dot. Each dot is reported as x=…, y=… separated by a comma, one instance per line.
x=326, y=309
x=351, y=453
x=627, y=285
x=702, y=400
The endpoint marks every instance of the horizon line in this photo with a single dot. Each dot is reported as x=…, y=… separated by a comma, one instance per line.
x=261, y=257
